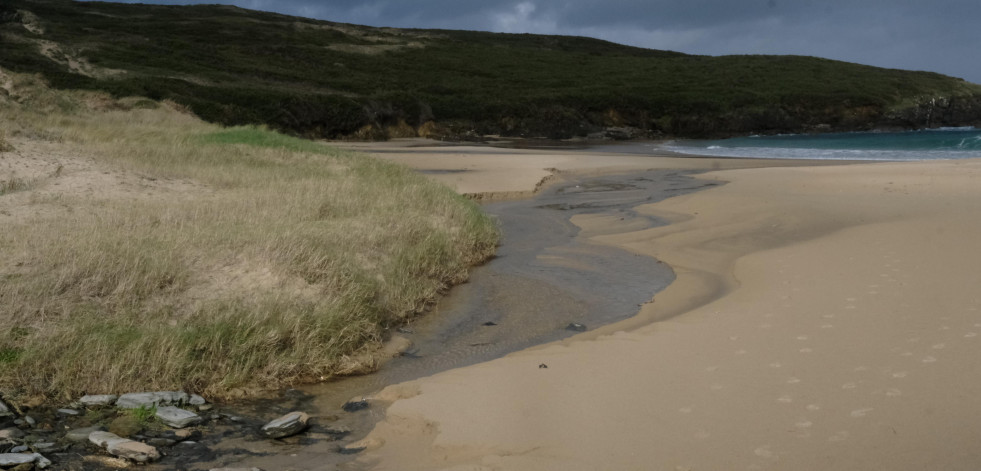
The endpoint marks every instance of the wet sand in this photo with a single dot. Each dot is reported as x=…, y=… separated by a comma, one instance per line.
x=822, y=318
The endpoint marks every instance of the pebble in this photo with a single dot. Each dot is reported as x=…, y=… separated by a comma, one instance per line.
x=81, y=434
x=287, y=425
x=355, y=405
x=71, y=412
x=177, y=417
x=576, y=327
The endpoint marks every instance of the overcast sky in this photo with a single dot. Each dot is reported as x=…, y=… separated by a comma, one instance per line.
x=936, y=35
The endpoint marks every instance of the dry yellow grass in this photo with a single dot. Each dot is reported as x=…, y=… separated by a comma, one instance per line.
x=277, y=261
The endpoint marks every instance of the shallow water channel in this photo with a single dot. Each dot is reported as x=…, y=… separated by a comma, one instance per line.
x=544, y=284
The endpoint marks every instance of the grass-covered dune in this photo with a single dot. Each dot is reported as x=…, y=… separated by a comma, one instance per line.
x=159, y=251
x=317, y=78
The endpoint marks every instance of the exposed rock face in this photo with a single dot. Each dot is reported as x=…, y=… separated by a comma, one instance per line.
x=177, y=417
x=287, y=425
x=124, y=447
x=150, y=399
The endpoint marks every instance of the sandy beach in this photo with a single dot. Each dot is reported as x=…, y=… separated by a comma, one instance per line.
x=823, y=318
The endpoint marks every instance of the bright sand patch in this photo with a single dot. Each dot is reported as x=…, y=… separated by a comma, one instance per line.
x=830, y=319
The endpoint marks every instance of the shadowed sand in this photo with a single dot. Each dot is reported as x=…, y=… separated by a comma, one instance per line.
x=826, y=318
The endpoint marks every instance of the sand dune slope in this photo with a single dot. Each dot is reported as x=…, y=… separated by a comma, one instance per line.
x=830, y=319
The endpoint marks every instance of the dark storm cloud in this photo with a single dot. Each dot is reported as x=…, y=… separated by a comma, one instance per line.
x=938, y=35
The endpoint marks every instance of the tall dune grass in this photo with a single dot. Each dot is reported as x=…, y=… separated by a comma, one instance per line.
x=286, y=262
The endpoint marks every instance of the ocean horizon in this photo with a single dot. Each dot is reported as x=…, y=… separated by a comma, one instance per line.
x=931, y=144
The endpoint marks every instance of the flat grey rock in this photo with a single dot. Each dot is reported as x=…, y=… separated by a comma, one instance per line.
x=150, y=399
x=81, y=434
x=196, y=400
x=234, y=469
x=124, y=447
x=287, y=425
x=177, y=417
x=8, y=460
x=5, y=410
x=95, y=400
x=20, y=449
x=71, y=412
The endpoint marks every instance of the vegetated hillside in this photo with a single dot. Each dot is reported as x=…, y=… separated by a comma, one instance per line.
x=324, y=79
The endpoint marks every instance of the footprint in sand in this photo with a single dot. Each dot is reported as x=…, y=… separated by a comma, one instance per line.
x=859, y=413
x=813, y=407
x=793, y=380
x=859, y=369
x=939, y=346
x=827, y=326
x=776, y=364
x=702, y=435
x=786, y=399
x=929, y=359
x=839, y=436
x=970, y=335
x=806, y=350
x=893, y=392
x=899, y=374
x=849, y=386
x=685, y=410
x=801, y=337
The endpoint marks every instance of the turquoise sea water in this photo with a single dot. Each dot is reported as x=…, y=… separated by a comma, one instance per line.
x=948, y=143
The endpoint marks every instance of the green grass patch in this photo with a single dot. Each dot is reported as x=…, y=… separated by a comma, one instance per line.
x=272, y=261
x=261, y=137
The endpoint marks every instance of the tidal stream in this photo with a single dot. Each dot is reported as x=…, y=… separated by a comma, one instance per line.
x=544, y=284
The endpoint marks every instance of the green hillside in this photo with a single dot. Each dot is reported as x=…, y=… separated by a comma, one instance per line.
x=323, y=79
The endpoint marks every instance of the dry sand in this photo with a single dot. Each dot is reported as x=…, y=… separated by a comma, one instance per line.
x=825, y=318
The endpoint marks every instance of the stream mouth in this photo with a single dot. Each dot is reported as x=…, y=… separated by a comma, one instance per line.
x=545, y=283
